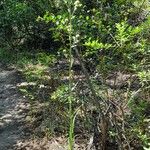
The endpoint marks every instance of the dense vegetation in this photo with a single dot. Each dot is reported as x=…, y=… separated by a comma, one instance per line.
x=87, y=63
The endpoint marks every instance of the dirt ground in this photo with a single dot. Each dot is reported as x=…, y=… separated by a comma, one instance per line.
x=13, y=108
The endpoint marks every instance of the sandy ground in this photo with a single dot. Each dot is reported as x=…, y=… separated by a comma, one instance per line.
x=13, y=108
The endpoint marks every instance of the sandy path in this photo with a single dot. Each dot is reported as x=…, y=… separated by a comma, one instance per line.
x=12, y=110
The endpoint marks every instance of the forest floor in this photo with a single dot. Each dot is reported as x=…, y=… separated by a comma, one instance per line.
x=17, y=131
